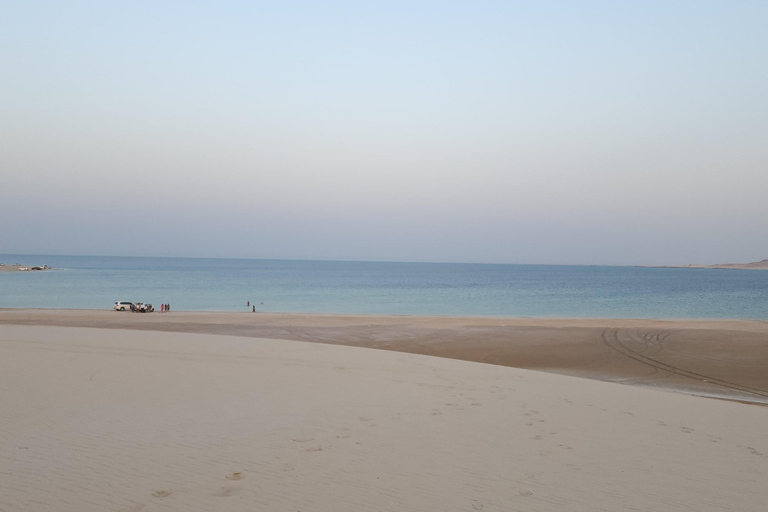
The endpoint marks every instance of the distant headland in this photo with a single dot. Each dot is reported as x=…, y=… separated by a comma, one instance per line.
x=755, y=265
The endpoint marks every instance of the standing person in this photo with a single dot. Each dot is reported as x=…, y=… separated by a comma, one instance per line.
x=167, y=307
x=254, y=308
x=249, y=303
x=162, y=307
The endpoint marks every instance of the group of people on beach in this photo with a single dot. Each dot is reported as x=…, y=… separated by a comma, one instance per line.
x=165, y=307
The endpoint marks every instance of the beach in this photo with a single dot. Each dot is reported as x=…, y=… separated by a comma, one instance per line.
x=716, y=358
x=236, y=411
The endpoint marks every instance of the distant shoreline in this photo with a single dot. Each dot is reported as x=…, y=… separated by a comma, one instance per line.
x=757, y=265
x=23, y=268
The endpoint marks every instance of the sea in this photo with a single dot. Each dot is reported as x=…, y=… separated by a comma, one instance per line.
x=392, y=288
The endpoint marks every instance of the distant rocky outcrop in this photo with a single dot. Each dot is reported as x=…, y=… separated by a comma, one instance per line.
x=756, y=265
x=23, y=268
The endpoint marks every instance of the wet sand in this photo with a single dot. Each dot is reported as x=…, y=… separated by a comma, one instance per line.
x=715, y=358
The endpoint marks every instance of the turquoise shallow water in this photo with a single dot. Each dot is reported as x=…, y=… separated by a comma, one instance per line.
x=90, y=282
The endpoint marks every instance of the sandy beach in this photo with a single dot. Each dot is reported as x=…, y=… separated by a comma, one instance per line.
x=716, y=358
x=233, y=411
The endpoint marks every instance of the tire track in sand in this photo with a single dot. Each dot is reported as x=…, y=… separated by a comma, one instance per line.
x=611, y=339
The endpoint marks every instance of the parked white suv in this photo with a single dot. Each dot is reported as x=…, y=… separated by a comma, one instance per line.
x=122, y=305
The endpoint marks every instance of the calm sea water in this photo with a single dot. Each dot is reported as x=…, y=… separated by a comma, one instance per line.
x=85, y=282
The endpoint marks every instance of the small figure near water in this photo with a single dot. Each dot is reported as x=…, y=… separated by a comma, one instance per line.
x=254, y=308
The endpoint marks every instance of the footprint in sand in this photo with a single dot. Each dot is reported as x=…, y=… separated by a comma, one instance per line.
x=227, y=491
x=163, y=493
x=134, y=508
x=237, y=475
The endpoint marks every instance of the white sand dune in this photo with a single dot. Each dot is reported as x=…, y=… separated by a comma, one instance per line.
x=111, y=420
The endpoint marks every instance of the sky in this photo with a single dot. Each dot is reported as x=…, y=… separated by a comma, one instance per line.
x=555, y=132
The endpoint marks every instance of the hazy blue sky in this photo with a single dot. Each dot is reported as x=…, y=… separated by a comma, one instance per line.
x=615, y=132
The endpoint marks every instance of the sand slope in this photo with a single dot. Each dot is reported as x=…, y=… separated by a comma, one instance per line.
x=113, y=420
x=718, y=358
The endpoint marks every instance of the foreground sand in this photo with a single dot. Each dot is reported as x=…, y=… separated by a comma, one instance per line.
x=716, y=358
x=119, y=420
